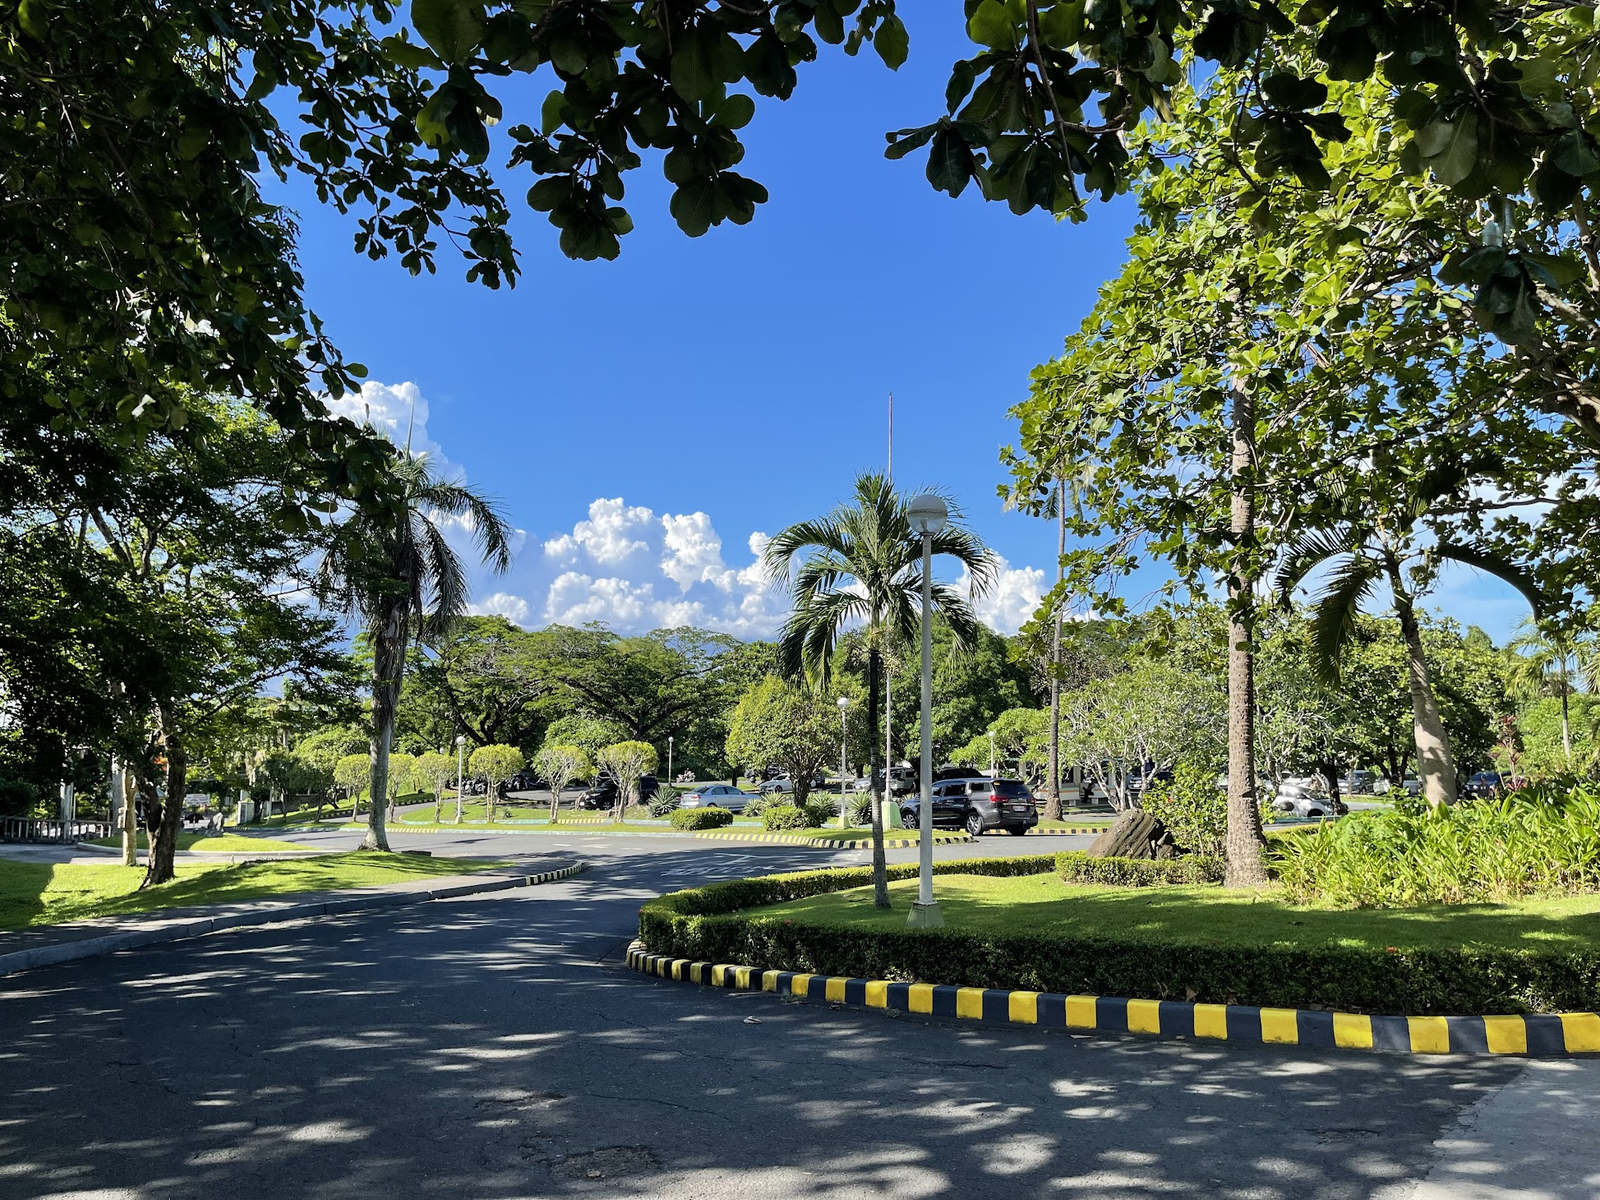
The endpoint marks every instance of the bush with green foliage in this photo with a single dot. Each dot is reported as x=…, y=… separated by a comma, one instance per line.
x=785, y=816
x=1075, y=866
x=858, y=809
x=707, y=924
x=1192, y=807
x=664, y=802
x=1540, y=839
x=755, y=806
x=701, y=818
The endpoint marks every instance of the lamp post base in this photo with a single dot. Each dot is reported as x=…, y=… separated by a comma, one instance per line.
x=891, y=815
x=925, y=916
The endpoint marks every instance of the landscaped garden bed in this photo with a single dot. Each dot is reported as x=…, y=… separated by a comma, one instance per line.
x=1018, y=924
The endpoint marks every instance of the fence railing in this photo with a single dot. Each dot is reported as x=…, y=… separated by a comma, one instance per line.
x=51, y=829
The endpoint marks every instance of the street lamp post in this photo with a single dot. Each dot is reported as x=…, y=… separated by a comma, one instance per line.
x=671, y=778
x=928, y=514
x=461, y=767
x=844, y=766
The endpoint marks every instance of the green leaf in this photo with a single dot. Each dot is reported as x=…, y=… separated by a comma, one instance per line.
x=1575, y=154
x=694, y=206
x=892, y=42
x=552, y=113
x=452, y=27
x=408, y=54
x=1062, y=25
x=1450, y=148
x=1287, y=90
x=992, y=25
x=903, y=141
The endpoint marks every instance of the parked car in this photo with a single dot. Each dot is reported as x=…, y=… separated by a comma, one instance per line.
x=717, y=795
x=977, y=804
x=1309, y=806
x=603, y=793
x=1361, y=782
x=784, y=784
x=1482, y=784
x=1412, y=786
x=902, y=781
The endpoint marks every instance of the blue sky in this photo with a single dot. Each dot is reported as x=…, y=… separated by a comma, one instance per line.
x=640, y=420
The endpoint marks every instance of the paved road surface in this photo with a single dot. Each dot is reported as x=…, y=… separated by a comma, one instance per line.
x=494, y=1047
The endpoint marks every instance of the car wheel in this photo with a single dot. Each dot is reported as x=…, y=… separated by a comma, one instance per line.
x=975, y=824
x=908, y=818
x=1313, y=812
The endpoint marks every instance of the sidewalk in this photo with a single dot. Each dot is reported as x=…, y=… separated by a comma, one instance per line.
x=22, y=949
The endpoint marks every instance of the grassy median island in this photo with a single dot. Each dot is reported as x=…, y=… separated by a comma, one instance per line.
x=1016, y=924
x=224, y=843
x=34, y=894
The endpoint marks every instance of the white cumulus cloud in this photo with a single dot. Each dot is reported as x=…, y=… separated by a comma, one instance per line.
x=611, y=535
x=503, y=604
x=1014, y=598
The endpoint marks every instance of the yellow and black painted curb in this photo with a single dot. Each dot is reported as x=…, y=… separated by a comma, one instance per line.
x=789, y=839
x=1540, y=1036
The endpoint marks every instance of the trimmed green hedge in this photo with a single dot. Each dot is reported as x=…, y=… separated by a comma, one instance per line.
x=704, y=924
x=1076, y=866
x=700, y=818
x=811, y=815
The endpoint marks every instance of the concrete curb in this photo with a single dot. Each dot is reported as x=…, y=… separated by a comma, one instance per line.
x=111, y=943
x=1541, y=1036
x=890, y=843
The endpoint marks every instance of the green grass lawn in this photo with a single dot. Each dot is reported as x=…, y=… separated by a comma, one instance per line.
x=46, y=894
x=1205, y=915
x=227, y=843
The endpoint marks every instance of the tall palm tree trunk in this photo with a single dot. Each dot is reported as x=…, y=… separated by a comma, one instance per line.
x=1436, y=765
x=1052, y=783
x=1244, y=840
x=1566, y=720
x=388, y=660
x=880, y=868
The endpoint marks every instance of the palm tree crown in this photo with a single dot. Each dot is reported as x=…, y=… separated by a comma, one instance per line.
x=865, y=566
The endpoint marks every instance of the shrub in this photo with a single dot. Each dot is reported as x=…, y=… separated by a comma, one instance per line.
x=1534, y=840
x=819, y=812
x=1193, y=807
x=1074, y=866
x=701, y=818
x=858, y=809
x=785, y=816
x=755, y=806
x=664, y=801
x=703, y=924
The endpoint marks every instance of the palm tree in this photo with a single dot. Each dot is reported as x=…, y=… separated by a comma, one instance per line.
x=864, y=564
x=1362, y=559
x=391, y=566
x=1543, y=663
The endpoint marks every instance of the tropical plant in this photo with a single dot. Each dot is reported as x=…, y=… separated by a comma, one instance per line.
x=1363, y=556
x=391, y=565
x=434, y=770
x=776, y=724
x=401, y=768
x=560, y=765
x=1549, y=662
x=353, y=772
x=626, y=763
x=494, y=764
x=863, y=563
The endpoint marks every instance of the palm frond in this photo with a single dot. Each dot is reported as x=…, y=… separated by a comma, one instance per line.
x=1333, y=616
x=1307, y=552
x=1501, y=568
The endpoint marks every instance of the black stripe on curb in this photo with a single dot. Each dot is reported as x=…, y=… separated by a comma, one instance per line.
x=1538, y=1036
x=112, y=943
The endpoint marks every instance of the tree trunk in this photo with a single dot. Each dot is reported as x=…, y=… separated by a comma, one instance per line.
x=880, y=869
x=164, y=839
x=438, y=805
x=388, y=664
x=129, y=826
x=1566, y=721
x=1245, y=841
x=1436, y=766
x=1052, y=783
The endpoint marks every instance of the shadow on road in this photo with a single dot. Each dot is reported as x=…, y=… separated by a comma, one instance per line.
x=495, y=1047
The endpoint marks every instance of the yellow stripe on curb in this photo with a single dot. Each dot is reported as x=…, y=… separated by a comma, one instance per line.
x=1352, y=1031
x=1023, y=1007
x=1581, y=1031
x=741, y=977
x=769, y=981
x=877, y=993
x=1211, y=1021
x=1505, y=1035
x=920, y=998
x=1429, y=1035
x=1144, y=1016
x=797, y=984
x=969, y=1003
x=834, y=988
x=1080, y=1012
x=1278, y=1026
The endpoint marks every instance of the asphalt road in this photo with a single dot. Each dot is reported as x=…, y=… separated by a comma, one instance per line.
x=494, y=1047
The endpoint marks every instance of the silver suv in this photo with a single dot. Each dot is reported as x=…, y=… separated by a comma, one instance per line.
x=977, y=804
